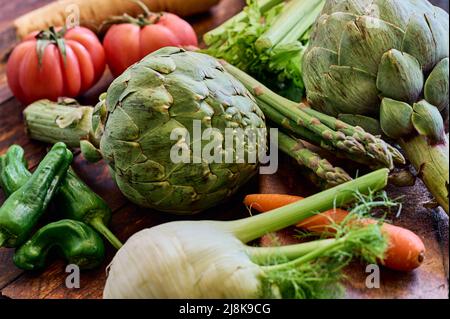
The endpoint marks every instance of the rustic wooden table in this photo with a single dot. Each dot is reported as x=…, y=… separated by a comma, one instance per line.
x=430, y=281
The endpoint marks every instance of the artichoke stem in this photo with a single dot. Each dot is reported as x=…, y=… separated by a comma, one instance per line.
x=431, y=161
x=52, y=122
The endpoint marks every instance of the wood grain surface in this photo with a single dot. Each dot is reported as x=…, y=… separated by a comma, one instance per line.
x=430, y=281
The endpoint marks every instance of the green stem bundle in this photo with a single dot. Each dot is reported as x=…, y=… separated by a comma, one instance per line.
x=346, y=139
x=219, y=33
x=263, y=255
x=285, y=22
x=329, y=175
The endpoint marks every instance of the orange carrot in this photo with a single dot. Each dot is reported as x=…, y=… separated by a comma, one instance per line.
x=405, y=252
x=265, y=202
x=320, y=223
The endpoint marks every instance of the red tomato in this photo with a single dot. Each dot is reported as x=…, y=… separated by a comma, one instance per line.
x=127, y=43
x=52, y=74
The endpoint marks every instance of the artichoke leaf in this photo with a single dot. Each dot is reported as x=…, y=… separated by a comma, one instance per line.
x=400, y=76
x=428, y=122
x=326, y=25
x=90, y=152
x=99, y=117
x=121, y=126
x=115, y=91
x=351, y=90
x=426, y=40
x=199, y=175
x=141, y=78
x=440, y=36
x=397, y=12
x=316, y=64
x=121, y=155
x=369, y=124
x=395, y=118
x=186, y=92
x=158, y=143
x=364, y=42
x=161, y=64
x=145, y=172
x=357, y=7
x=437, y=86
x=148, y=108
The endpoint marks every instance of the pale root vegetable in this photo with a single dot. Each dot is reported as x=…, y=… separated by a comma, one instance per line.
x=93, y=13
x=405, y=251
x=210, y=259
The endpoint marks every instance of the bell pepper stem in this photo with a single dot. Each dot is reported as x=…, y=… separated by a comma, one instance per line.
x=98, y=225
x=432, y=163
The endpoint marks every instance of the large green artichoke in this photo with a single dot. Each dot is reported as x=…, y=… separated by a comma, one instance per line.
x=387, y=59
x=131, y=129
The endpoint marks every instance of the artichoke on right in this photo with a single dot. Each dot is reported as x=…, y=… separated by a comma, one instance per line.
x=389, y=60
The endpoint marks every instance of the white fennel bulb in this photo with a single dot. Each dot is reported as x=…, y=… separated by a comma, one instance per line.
x=210, y=259
x=161, y=263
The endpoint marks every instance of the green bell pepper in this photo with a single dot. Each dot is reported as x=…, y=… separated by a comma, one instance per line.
x=13, y=170
x=75, y=200
x=79, y=244
x=22, y=210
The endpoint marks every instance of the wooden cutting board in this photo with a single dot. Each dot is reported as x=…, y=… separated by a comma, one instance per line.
x=430, y=281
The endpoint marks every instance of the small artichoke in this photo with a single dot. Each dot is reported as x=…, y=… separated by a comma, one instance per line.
x=165, y=91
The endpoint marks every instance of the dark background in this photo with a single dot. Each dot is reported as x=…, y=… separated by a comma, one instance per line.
x=442, y=3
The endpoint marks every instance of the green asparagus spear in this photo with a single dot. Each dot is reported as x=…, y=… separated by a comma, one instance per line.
x=330, y=175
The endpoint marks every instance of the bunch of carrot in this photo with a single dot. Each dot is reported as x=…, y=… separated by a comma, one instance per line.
x=405, y=252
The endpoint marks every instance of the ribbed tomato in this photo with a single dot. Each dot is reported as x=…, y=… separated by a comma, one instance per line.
x=127, y=43
x=55, y=63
